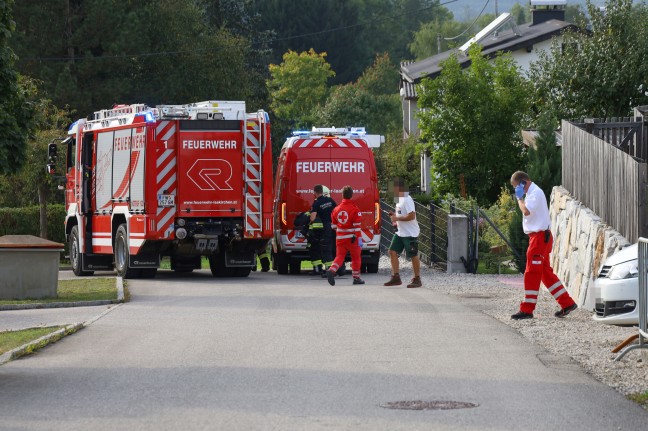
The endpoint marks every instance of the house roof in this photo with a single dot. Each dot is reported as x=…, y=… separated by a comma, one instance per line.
x=504, y=41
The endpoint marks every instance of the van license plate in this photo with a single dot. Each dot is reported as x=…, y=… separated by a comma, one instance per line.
x=166, y=200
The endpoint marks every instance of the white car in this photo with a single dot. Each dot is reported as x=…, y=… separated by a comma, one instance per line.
x=616, y=289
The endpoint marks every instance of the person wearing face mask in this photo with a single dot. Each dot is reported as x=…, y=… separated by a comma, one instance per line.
x=535, y=223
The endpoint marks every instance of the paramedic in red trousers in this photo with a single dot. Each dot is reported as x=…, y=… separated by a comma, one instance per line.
x=346, y=219
x=405, y=237
x=535, y=223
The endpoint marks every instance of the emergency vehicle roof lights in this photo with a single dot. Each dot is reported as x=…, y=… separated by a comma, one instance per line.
x=301, y=133
x=73, y=127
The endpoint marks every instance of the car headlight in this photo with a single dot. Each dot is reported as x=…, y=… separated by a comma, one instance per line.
x=629, y=269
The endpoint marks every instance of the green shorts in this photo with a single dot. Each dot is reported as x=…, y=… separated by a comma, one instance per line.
x=407, y=243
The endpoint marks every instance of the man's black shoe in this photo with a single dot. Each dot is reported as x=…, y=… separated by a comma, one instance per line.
x=565, y=311
x=358, y=280
x=522, y=315
x=330, y=276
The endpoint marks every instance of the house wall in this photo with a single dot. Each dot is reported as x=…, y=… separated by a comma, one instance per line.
x=524, y=58
x=410, y=118
x=582, y=242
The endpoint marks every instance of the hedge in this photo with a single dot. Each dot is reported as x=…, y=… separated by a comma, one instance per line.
x=25, y=221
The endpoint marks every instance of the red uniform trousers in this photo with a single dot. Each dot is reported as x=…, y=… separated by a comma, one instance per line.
x=539, y=270
x=342, y=246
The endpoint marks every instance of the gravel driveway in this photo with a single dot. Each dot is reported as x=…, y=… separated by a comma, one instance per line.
x=578, y=336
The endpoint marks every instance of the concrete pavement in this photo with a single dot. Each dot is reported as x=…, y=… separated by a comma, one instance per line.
x=290, y=352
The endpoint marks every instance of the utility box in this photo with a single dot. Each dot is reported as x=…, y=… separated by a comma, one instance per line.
x=28, y=267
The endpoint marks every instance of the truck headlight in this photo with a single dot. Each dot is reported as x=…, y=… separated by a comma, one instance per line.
x=180, y=222
x=629, y=269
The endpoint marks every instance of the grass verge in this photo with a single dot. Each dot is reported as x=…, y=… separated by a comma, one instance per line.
x=9, y=340
x=86, y=289
x=641, y=399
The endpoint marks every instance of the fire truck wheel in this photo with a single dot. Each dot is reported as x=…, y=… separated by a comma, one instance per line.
x=280, y=263
x=243, y=271
x=372, y=268
x=75, y=254
x=295, y=266
x=122, y=255
x=148, y=272
x=218, y=268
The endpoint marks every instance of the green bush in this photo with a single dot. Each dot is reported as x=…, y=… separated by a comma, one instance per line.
x=25, y=221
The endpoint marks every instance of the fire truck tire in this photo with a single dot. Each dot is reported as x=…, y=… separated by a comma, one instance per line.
x=372, y=268
x=122, y=255
x=243, y=271
x=148, y=272
x=295, y=266
x=280, y=263
x=75, y=254
x=218, y=268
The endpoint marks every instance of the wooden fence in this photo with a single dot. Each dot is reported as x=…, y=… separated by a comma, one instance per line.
x=608, y=173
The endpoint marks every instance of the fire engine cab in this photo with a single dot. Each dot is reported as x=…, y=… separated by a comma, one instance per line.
x=332, y=157
x=183, y=181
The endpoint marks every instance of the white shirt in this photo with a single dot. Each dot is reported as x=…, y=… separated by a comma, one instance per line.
x=405, y=206
x=538, y=220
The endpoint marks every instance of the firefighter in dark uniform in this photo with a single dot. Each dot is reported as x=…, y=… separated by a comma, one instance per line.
x=263, y=256
x=322, y=209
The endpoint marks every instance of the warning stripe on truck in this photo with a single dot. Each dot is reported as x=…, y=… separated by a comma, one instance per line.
x=166, y=183
x=329, y=143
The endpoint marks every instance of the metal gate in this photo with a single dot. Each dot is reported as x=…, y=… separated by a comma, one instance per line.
x=433, y=239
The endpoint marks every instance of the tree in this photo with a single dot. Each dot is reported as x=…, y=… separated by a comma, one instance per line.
x=370, y=102
x=545, y=161
x=470, y=123
x=599, y=74
x=298, y=86
x=398, y=158
x=31, y=184
x=430, y=39
x=521, y=14
x=91, y=54
x=15, y=112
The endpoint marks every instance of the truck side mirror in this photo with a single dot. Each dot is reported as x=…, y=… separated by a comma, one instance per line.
x=51, y=158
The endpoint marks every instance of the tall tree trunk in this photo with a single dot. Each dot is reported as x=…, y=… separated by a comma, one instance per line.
x=42, y=203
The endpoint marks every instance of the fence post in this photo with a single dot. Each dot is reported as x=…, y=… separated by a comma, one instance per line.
x=457, y=243
x=433, y=258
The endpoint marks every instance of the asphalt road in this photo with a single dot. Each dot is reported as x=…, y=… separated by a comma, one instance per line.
x=276, y=352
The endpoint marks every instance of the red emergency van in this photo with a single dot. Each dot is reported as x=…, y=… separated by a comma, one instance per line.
x=333, y=157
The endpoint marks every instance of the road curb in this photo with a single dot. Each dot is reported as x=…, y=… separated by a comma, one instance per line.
x=45, y=340
x=120, y=299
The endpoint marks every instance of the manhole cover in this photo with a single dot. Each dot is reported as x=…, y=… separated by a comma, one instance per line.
x=427, y=405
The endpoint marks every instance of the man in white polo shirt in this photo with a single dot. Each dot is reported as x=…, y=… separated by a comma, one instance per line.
x=535, y=223
x=405, y=237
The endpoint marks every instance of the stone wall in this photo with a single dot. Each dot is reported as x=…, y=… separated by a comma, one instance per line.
x=582, y=242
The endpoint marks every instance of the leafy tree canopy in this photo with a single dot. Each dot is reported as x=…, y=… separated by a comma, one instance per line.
x=91, y=54
x=470, y=122
x=545, y=161
x=298, y=86
x=370, y=102
x=599, y=74
x=15, y=112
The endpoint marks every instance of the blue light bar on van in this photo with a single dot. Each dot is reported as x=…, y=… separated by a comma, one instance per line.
x=301, y=133
x=72, y=128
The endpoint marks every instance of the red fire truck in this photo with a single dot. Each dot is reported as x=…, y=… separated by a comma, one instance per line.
x=183, y=181
x=333, y=157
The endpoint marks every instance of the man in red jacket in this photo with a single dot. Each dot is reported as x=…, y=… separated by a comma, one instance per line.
x=345, y=219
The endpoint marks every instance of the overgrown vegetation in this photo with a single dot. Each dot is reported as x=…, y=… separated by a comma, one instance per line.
x=10, y=340
x=641, y=399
